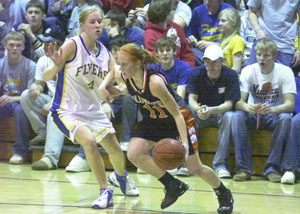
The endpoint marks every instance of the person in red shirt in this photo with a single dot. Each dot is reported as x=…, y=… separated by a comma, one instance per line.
x=160, y=24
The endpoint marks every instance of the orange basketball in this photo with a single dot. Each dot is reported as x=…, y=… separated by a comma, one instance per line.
x=168, y=154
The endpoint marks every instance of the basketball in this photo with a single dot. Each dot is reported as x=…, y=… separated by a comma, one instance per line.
x=168, y=154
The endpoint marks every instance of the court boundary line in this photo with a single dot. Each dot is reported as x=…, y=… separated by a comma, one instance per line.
x=89, y=207
x=147, y=187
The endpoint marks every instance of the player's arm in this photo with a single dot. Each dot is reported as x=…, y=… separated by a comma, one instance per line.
x=59, y=57
x=106, y=90
x=159, y=90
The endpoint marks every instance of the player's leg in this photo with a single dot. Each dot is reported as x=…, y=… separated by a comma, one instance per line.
x=115, y=154
x=207, y=174
x=137, y=154
x=119, y=177
x=84, y=137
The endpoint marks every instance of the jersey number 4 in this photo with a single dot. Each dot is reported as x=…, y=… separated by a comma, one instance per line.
x=152, y=111
x=91, y=85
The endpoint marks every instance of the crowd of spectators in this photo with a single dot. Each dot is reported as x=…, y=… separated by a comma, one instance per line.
x=234, y=62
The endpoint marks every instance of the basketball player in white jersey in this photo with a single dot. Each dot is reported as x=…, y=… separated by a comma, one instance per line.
x=81, y=65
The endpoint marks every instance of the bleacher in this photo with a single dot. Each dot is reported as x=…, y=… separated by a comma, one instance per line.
x=260, y=141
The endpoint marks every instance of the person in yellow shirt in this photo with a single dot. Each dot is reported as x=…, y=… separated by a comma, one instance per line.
x=231, y=42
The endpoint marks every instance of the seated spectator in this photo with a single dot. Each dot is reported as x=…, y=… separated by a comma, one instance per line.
x=270, y=89
x=73, y=25
x=62, y=9
x=32, y=27
x=116, y=19
x=231, y=42
x=160, y=25
x=16, y=75
x=282, y=28
x=182, y=14
x=203, y=29
x=213, y=89
x=11, y=13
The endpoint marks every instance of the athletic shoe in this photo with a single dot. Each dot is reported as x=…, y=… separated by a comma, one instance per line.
x=124, y=182
x=223, y=173
x=288, y=178
x=173, y=171
x=184, y=172
x=16, y=159
x=287, y=189
x=274, y=177
x=175, y=189
x=105, y=199
x=124, y=146
x=78, y=164
x=139, y=171
x=225, y=202
x=43, y=164
x=242, y=176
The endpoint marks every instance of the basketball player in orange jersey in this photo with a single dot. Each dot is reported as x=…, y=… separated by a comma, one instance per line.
x=161, y=118
x=81, y=65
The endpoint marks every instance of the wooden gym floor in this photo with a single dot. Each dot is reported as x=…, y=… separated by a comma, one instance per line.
x=23, y=190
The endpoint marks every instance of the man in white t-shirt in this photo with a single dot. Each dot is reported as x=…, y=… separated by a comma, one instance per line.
x=270, y=89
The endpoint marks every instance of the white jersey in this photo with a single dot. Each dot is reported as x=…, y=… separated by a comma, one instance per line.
x=80, y=78
x=76, y=101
